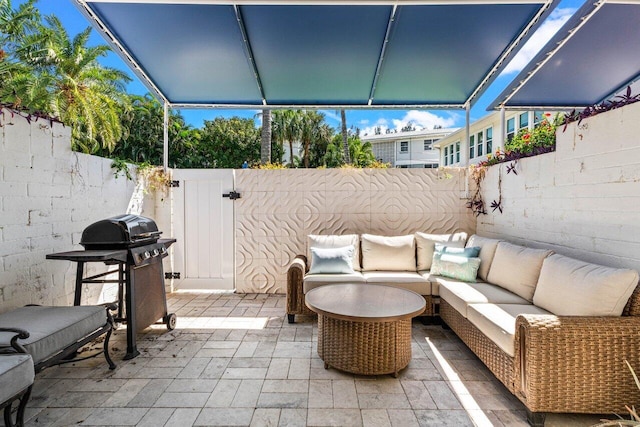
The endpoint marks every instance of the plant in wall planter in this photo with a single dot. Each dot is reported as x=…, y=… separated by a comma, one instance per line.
x=526, y=143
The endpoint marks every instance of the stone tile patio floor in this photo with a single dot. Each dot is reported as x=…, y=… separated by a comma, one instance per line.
x=233, y=360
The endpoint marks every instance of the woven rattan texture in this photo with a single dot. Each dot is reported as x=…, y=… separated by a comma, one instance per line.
x=295, y=292
x=576, y=364
x=364, y=348
x=498, y=362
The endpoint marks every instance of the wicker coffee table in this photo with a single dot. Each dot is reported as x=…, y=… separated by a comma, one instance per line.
x=364, y=329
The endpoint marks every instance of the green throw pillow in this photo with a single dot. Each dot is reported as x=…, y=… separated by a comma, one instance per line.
x=455, y=266
x=470, y=252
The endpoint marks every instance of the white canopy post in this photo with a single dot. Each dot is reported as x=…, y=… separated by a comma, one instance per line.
x=165, y=137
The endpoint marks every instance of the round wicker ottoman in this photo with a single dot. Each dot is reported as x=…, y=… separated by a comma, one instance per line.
x=365, y=329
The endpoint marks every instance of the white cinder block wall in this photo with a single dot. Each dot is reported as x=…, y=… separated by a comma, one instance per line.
x=48, y=195
x=582, y=200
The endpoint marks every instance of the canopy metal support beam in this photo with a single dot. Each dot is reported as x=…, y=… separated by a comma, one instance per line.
x=119, y=49
x=165, y=138
x=464, y=149
x=249, y=53
x=392, y=18
x=511, y=50
x=582, y=21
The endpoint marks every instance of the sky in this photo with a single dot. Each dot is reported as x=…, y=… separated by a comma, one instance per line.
x=365, y=120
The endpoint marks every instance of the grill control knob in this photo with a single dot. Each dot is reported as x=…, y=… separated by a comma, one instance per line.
x=163, y=250
x=147, y=255
x=156, y=252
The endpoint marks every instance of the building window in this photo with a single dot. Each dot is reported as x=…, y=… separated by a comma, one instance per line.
x=451, y=161
x=524, y=120
x=538, y=116
x=489, y=139
x=480, y=144
x=428, y=144
x=457, y=151
x=446, y=155
x=472, y=146
x=404, y=147
x=511, y=128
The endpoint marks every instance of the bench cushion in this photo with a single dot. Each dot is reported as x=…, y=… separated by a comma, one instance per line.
x=16, y=374
x=517, y=268
x=312, y=281
x=52, y=329
x=460, y=294
x=391, y=253
x=487, y=251
x=400, y=279
x=569, y=287
x=498, y=321
x=425, y=246
x=335, y=241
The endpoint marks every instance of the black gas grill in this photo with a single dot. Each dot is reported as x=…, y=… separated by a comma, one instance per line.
x=133, y=244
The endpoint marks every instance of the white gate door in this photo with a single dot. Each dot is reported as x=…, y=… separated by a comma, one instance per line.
x=203, y=221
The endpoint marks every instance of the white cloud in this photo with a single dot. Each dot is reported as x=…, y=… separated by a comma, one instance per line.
x=423, y=120
x=548, y=29
x=419, y=119
x=333, y=116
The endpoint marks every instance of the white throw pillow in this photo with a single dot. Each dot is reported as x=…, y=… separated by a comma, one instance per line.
x=517, y=268
x=335, y=241
x=425, y=244
x=396, y=253
x=569, y=287
x=332, y=260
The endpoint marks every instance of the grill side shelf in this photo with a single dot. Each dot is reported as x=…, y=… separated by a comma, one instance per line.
x=119, y=255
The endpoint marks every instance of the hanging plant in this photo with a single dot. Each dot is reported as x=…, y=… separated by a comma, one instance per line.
x=592, y=110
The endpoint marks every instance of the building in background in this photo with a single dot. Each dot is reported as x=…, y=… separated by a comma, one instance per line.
x=411, y=149
x=484, y=136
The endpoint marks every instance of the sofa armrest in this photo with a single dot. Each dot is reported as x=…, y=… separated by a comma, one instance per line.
x=575, y=363
x=19, y=334
x=295, y=292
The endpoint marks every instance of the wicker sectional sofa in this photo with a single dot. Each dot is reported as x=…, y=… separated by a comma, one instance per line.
x=554, y=330
x=401, y=261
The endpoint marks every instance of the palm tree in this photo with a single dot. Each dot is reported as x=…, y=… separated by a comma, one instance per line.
x=265, y=137
x=286, y=127
x=311, y=130
x=345, y=137
x=67, y=82
x=18, y=38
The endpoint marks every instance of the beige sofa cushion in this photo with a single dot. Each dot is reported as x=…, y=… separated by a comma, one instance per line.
x=487, y=251
x=569, y=287
x=498, y=321
x=517, y=268
x=392, y=253
x=460, y=294
x=335, y=241
x=311, y=281
x=425, y=244
x=400, y=279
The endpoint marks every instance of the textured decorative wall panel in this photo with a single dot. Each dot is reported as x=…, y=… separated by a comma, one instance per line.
x=279, y=208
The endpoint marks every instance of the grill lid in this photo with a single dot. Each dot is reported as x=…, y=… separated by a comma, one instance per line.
x=120, y=231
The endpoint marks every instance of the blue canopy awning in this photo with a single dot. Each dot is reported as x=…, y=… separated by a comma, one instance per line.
x=592, y=57
x=341, y=54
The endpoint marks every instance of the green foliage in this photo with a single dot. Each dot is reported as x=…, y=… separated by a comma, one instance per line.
x=270, y=166
x=527, y=141
x=361, y=153
x=121, y=167
x=227, y=143
x=43, y=69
